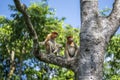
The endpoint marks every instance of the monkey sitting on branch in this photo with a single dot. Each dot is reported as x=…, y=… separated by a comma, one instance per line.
x=71, y=48
x=50, y=45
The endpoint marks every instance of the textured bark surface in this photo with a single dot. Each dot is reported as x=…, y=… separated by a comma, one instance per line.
x=96, y=32
x=92, y=43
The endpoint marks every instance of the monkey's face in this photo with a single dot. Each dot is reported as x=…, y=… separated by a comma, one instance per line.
x=54, y=36
x=70, y=40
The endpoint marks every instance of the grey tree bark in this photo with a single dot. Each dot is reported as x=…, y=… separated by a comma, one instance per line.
x=96, y=31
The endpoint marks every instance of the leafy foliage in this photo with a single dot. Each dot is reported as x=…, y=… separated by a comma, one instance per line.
x=112, y=66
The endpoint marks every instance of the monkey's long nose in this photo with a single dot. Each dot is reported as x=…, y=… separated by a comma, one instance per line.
x=71, y=39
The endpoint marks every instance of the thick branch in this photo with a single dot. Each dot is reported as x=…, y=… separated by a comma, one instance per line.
x=112, y=21
x=116, y=10
x=60, y=61
x=57, y=60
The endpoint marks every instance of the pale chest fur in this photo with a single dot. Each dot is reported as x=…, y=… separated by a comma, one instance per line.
x=71, y=49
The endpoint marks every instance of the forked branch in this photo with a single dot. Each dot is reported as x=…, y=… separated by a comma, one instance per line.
x=114, y=19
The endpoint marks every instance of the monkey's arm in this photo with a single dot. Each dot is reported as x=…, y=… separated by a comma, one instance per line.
x=76, y=50
x=49, y=47
x=66, y=52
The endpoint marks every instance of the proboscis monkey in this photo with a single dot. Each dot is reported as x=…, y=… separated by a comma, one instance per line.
x=50, y=44
x=71, y=48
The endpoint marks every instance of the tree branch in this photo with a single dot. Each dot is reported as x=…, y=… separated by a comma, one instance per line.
x=116, y=10
x=57, y=60
x=23, y=9
x=113, y=20
x=48, y=58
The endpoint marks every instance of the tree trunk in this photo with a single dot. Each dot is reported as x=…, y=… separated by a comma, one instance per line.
x=92, y=45
x=96, y=32
x=91, y=60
